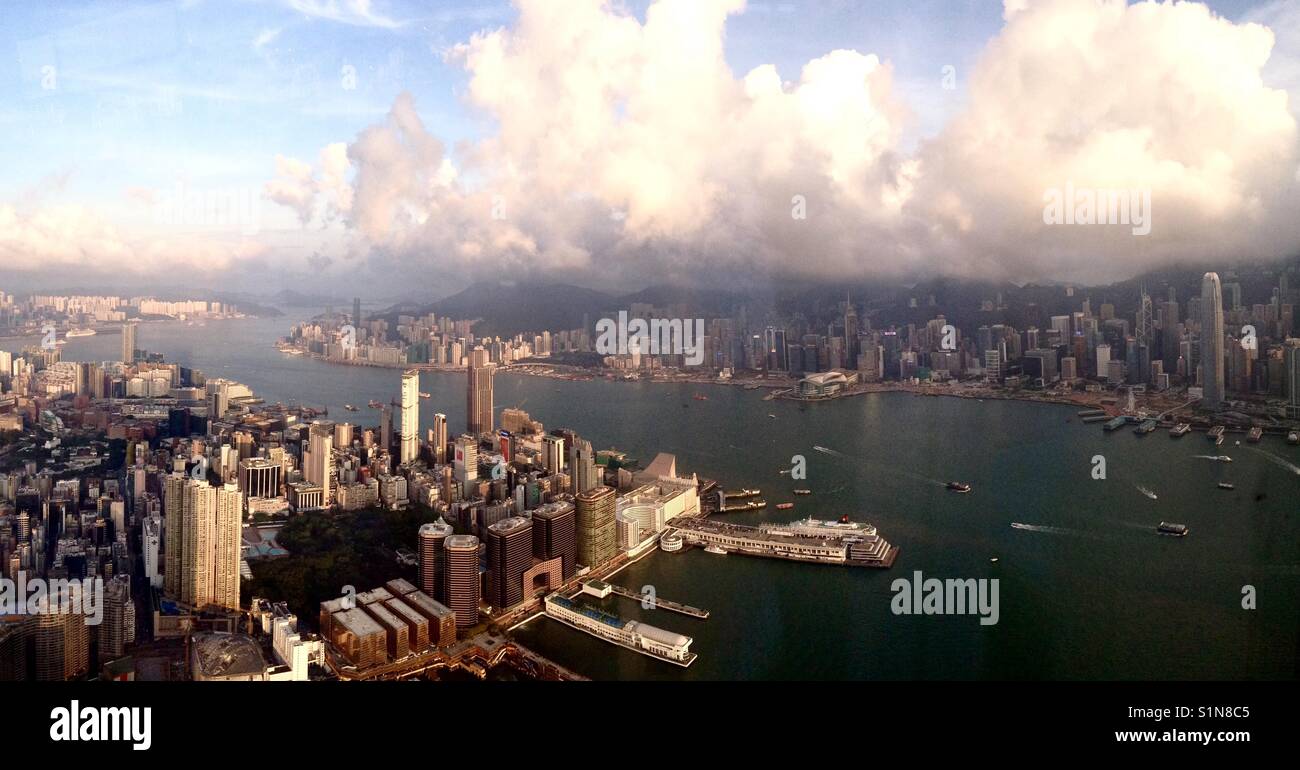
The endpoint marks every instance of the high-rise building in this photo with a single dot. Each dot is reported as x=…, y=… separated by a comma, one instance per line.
x=582, y=466
x=510, y=554
x=465, y=462
x=128, y=343
x=117, y=629
x=318, y=460
x=462, y=579
x=211, y=520
x=409, y=433
x=555, y=534
x=259, y=477
x=1291, y=360
x=1212, y=374
x=479, y=394
x=356, y=312
x=439, y=441
x=553, y=453
x=596, y=528
x=433, y=560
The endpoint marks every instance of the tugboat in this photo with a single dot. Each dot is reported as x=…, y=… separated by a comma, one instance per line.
x=1173, y=530
x=1225, y=485
x=958, y=486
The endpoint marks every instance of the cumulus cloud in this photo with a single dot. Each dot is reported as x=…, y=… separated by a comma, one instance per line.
x=629, y=146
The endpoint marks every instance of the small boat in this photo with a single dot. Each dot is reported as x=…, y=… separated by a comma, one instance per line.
x=1148, y=493
x=1174, y=530
x=351, y=408
x=700, y=397
x=784, y=506
x=958, y=486
x=803, y=491
x=375, y=404
x=771, y=417
x=715, y=549
x=994, y=560
x=1225, y=485
x=425, y=395
x=1293, y=437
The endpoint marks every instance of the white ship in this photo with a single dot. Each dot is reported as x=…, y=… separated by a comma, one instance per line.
x=72, y=333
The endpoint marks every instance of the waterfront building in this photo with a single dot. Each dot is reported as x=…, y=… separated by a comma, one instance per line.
x=409, y=425
x=1212, y=369
x=596, y=528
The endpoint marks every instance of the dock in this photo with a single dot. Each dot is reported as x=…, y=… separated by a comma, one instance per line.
x=656, y=602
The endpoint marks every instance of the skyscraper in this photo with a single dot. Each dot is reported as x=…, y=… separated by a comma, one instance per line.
x=479, y=393
x=439, y=441
x=597, y=530
x=356, y=312
x=1291, y=360
x=209, y=545
x=128, y=343
x=410, y=423
x=462, y=579
x=318, y=460
x=510, y=554
x=433, y=559
x=1211, y=341
x=582, y=466
x=554, y=534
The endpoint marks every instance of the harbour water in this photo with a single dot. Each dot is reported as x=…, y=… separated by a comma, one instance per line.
x=1087, y=589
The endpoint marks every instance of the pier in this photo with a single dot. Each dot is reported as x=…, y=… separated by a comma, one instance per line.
x=657, y=602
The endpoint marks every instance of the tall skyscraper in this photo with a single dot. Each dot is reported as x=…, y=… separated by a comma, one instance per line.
x=553, y=453
x=462, y=579
x=479, y=393
x=1211, y=341
x=128, y=343
x=433, y=559
x=409, y=433
x=582, y=466
x=1291, y=360
x=439, y=441
x=555, y=534
x=318, y=460
x=211, y=519
x=510, y=554
x=597, y=530
x=356, y=312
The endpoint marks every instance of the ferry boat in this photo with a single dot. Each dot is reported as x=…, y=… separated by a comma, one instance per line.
x=1174, y=530
x=715, y=549
x=1225, y=485
x=1148, y=426
x=784, y=506
x=1180, y=430
x=632, y=635
x=803, y=491
x=1216, y=434
x=72, y=333
x=958, y=486
x=1255, y=435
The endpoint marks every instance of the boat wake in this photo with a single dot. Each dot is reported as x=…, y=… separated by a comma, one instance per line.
x=1049, y=530
x=1147, y=492
x=1216, y=458
x=1278, y=461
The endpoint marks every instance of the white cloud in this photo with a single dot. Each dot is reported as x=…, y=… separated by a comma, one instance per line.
x=355, y=12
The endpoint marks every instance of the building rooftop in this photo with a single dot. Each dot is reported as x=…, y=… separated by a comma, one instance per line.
x=225, y=655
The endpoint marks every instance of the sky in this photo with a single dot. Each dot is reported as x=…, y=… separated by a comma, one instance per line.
x=417, y=147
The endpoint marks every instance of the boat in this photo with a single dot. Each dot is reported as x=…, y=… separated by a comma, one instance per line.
x=425, y=395
x=715, y=549
x=81, y=333
x=1148, y=493
x=1255, y=434
x=994, y=560
x=803, y=491
x=1293, y=438
x=771, y=417
x=700, y=397
x=784, y=506
x=1146, y=427
x=351, y=408
x=1225, y=485
x=375, y=404
x=958, y=486
x=1174, y=530
x=1180, y=430
x=1216, y=434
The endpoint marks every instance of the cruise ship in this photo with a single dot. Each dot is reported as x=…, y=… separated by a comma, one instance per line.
x=632, y=635
x=822, y=542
